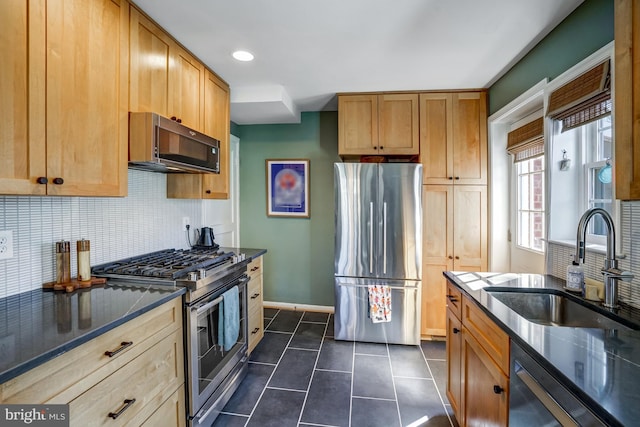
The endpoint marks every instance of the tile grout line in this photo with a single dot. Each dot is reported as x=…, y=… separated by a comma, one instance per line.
x=393, y=381
x=353, y=374
x=313, y=372
x=274, y=369
x=436, y=386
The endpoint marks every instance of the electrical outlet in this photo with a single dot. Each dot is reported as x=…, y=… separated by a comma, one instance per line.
x=185, y=222
x=6, y=244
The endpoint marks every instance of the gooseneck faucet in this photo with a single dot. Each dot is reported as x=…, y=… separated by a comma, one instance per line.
x=610, y=270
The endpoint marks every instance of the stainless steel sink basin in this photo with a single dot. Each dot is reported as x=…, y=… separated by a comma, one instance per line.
x=549, y=307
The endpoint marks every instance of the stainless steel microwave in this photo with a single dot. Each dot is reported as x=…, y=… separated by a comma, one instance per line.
x=159, y=144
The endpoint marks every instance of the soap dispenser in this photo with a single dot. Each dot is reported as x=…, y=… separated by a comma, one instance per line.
x=575, y=277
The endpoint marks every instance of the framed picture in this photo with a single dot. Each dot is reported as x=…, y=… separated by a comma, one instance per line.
x=288, y=188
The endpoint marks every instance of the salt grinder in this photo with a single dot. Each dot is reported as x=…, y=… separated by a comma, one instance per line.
x=63, y=262
x=84, y=264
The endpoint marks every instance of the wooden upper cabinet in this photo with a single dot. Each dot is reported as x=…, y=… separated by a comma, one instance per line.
x=453, y=137
x=186, y=88
x=217, y=123
x=22, y=104
x=149, y=67
x=87, y=102
x=382, y=124
x=627, y=99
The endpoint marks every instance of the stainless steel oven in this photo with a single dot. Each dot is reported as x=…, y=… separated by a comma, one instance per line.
x=213, y=372
x=536, y=398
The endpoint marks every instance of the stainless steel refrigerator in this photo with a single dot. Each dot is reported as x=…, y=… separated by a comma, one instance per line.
x=378, y=241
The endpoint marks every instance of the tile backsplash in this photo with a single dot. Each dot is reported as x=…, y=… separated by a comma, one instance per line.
x=144, y=221
x=559, y=256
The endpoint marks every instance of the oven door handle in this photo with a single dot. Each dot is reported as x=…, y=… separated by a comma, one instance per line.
x=206, y=306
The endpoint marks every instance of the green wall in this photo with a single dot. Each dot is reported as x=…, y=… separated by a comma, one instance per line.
x=299, y=262
x=586, y=30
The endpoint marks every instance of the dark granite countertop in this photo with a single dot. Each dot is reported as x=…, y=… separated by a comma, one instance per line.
x=600, y=366
x=39, y=325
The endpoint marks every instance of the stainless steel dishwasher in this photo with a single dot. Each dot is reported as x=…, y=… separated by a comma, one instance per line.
x=536, y=398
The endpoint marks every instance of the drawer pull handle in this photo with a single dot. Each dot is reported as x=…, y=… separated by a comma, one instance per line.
x=255, y=268
x=255, y=331
x=452, y=298
x=127, y=404
x=497, y=389
x=254, y=296
x=456, y=330
x=123, y=345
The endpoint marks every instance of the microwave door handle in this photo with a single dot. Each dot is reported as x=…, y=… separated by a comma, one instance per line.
x=204, y=307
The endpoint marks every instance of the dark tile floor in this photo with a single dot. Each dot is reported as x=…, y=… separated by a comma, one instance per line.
x=299, y=376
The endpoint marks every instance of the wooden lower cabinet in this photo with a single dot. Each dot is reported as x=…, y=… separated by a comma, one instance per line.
x=149, y=367
x=170, y=413
x=477, y=365
x=255, y=307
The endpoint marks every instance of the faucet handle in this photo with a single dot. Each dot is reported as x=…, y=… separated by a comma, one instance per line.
x=614, y=273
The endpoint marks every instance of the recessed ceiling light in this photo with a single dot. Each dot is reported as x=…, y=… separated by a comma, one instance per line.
x=243, y=55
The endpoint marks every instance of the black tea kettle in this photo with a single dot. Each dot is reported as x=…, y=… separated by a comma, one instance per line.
x=206, y=239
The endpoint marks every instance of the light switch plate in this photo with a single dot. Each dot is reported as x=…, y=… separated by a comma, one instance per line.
x=6, y=244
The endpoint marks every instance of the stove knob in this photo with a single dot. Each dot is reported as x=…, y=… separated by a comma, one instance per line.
x=202, y=273
x=243, y=256
x=193, y=276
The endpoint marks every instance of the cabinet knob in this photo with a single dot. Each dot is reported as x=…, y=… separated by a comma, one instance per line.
x=174, y=118
x=450, y=177
x=179, y=120
x=375, y=147
x=208, y=191
x=457, y=257
x=381, y=147
x=42, y=180
x=450, y=257
x=457, y=177
x=455, y=331
x=497, y=389
x=58, y=181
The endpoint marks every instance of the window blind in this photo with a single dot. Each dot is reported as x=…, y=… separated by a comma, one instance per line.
x=584, y=99
x=527, y=141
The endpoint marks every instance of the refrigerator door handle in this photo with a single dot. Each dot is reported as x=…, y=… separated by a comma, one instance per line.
x=354, y=285
x=371, y=237
x=384, y=241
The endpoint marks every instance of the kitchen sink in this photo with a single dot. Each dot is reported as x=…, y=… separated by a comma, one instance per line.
x=553, y=308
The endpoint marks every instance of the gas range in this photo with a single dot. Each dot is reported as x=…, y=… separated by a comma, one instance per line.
x=199, y=269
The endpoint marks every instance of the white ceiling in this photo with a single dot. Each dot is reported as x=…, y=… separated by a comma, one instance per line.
x=308, y=50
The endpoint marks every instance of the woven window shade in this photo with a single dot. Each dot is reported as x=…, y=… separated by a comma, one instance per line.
x=584, y=99
x=527, y=142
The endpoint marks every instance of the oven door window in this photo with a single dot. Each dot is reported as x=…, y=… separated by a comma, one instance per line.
x=211, y=356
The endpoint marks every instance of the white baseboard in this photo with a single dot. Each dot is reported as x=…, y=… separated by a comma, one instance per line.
x=298, y=307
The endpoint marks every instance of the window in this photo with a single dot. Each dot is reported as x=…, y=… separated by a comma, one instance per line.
x=530, y=197
x=598, y=187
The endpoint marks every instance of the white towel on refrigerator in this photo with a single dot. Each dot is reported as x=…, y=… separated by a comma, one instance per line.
x=379, y=303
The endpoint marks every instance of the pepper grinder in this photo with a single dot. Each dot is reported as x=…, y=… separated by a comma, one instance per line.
x=63, y=262
x=84, y=264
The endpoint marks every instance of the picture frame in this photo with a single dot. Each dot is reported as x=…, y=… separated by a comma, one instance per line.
x=287, y=188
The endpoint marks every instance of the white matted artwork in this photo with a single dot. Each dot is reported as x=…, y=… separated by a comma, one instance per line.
x=288, y=188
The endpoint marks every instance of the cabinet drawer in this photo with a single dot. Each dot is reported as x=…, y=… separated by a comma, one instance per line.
x=63, y=378
x=255, y=267
x=150, y=379
x=487, y=333
x=454, y=300
x=256, y=326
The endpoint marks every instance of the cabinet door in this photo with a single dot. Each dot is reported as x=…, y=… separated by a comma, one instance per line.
x=87, y=103
x=149, y=68
x=357, y=124
x=436, y=132
x=454, y=360
x=469, y=111
x=217, y=125
x=627, y=99
x=398, y=124
x=486, y=389
x=186, y=88
x=22, y=104
x=470, y=227
x=437, y=255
